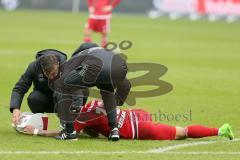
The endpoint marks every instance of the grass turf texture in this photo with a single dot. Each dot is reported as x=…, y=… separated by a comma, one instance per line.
x=203, y=62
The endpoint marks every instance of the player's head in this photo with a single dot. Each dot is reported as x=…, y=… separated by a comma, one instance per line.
x=38, y=121
x=50, y=65
x=84, y=46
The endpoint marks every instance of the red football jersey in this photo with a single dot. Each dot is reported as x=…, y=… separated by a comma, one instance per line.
x=98, y=6
x=93, y=115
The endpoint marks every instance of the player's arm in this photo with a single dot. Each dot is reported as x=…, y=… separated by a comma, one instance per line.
x=90, y=6
x=47, y=133
x=111, y=6
x=30, y=130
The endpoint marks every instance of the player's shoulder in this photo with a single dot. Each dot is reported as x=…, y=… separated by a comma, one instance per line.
x=32, y=63
x=92, y=105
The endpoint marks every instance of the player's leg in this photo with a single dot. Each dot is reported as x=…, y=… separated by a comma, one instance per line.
x=88, y=31
x=118, y=73
x=180, y=133
x=87, y=35
x=39, y=102
x=149, y=130
x=120, y=82
x=199, y=131
x=122, y=91
x=104, y=40
x=63, y=110
x=105, y=29
x=67, y=108
x=110, y=105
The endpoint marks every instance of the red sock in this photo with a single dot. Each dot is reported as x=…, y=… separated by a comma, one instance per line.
x=198, y=131
x=87, y=39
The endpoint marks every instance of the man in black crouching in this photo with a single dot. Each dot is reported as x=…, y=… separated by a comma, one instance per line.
x=90, y=66
x=40, y=99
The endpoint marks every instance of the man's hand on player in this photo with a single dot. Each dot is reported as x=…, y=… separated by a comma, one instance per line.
x=16, y=116
x=107, y=8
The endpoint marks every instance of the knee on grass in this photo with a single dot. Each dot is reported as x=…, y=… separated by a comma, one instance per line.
x=180, y=133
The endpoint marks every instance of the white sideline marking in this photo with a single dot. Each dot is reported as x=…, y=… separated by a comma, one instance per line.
x=161, y=150
x=107, y=153
x=203, y=152
x=177, y=146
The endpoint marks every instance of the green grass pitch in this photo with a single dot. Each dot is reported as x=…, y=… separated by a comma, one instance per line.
x=203, y=66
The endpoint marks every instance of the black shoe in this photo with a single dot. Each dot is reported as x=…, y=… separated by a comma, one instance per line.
x=114, y=135
x=63, y=135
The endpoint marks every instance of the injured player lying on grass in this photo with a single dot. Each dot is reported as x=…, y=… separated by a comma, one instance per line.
x=132, y=123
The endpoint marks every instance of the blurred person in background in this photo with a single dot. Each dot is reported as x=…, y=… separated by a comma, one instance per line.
x=100, y=13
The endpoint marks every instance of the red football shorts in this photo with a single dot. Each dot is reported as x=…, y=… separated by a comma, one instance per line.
x=156, y=131
x=99, y=25
x=147, y=129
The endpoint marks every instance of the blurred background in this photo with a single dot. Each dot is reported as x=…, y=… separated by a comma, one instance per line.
x=194, y=9
x=76, y=5
x=197, y=41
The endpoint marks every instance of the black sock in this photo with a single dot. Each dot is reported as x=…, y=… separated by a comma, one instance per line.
x=112, y=120
x=69, y=127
